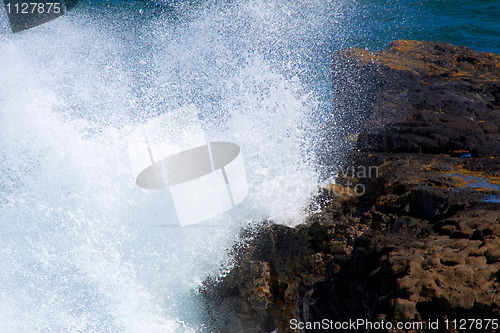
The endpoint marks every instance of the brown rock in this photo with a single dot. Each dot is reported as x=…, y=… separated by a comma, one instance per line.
x=404, y=310
x=422, y=242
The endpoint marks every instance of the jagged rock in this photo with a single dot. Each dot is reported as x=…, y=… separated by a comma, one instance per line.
x=423, y=241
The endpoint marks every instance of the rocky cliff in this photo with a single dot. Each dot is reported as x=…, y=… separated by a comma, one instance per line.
x=411, y=229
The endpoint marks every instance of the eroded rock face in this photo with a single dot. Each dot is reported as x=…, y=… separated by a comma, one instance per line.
x=423, y=241
x=434, y=98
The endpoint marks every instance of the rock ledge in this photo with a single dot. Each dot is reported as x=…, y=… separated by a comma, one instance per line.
x=423, y=242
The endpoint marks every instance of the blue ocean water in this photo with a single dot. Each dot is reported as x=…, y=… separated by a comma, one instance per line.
x=374, y=24
x=82, y=249
x=474, y=24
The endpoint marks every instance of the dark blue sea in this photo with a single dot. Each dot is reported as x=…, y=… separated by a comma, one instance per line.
x=82, y=248
x=474, y=24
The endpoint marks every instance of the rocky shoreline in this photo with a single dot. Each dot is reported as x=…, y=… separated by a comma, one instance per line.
x=418, y=239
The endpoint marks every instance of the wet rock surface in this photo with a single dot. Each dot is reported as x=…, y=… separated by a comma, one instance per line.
x=422, y=240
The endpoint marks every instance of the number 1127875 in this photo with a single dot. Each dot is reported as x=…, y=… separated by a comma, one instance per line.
x=33, y=8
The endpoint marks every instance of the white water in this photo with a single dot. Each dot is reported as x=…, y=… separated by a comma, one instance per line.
x=82, y=249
